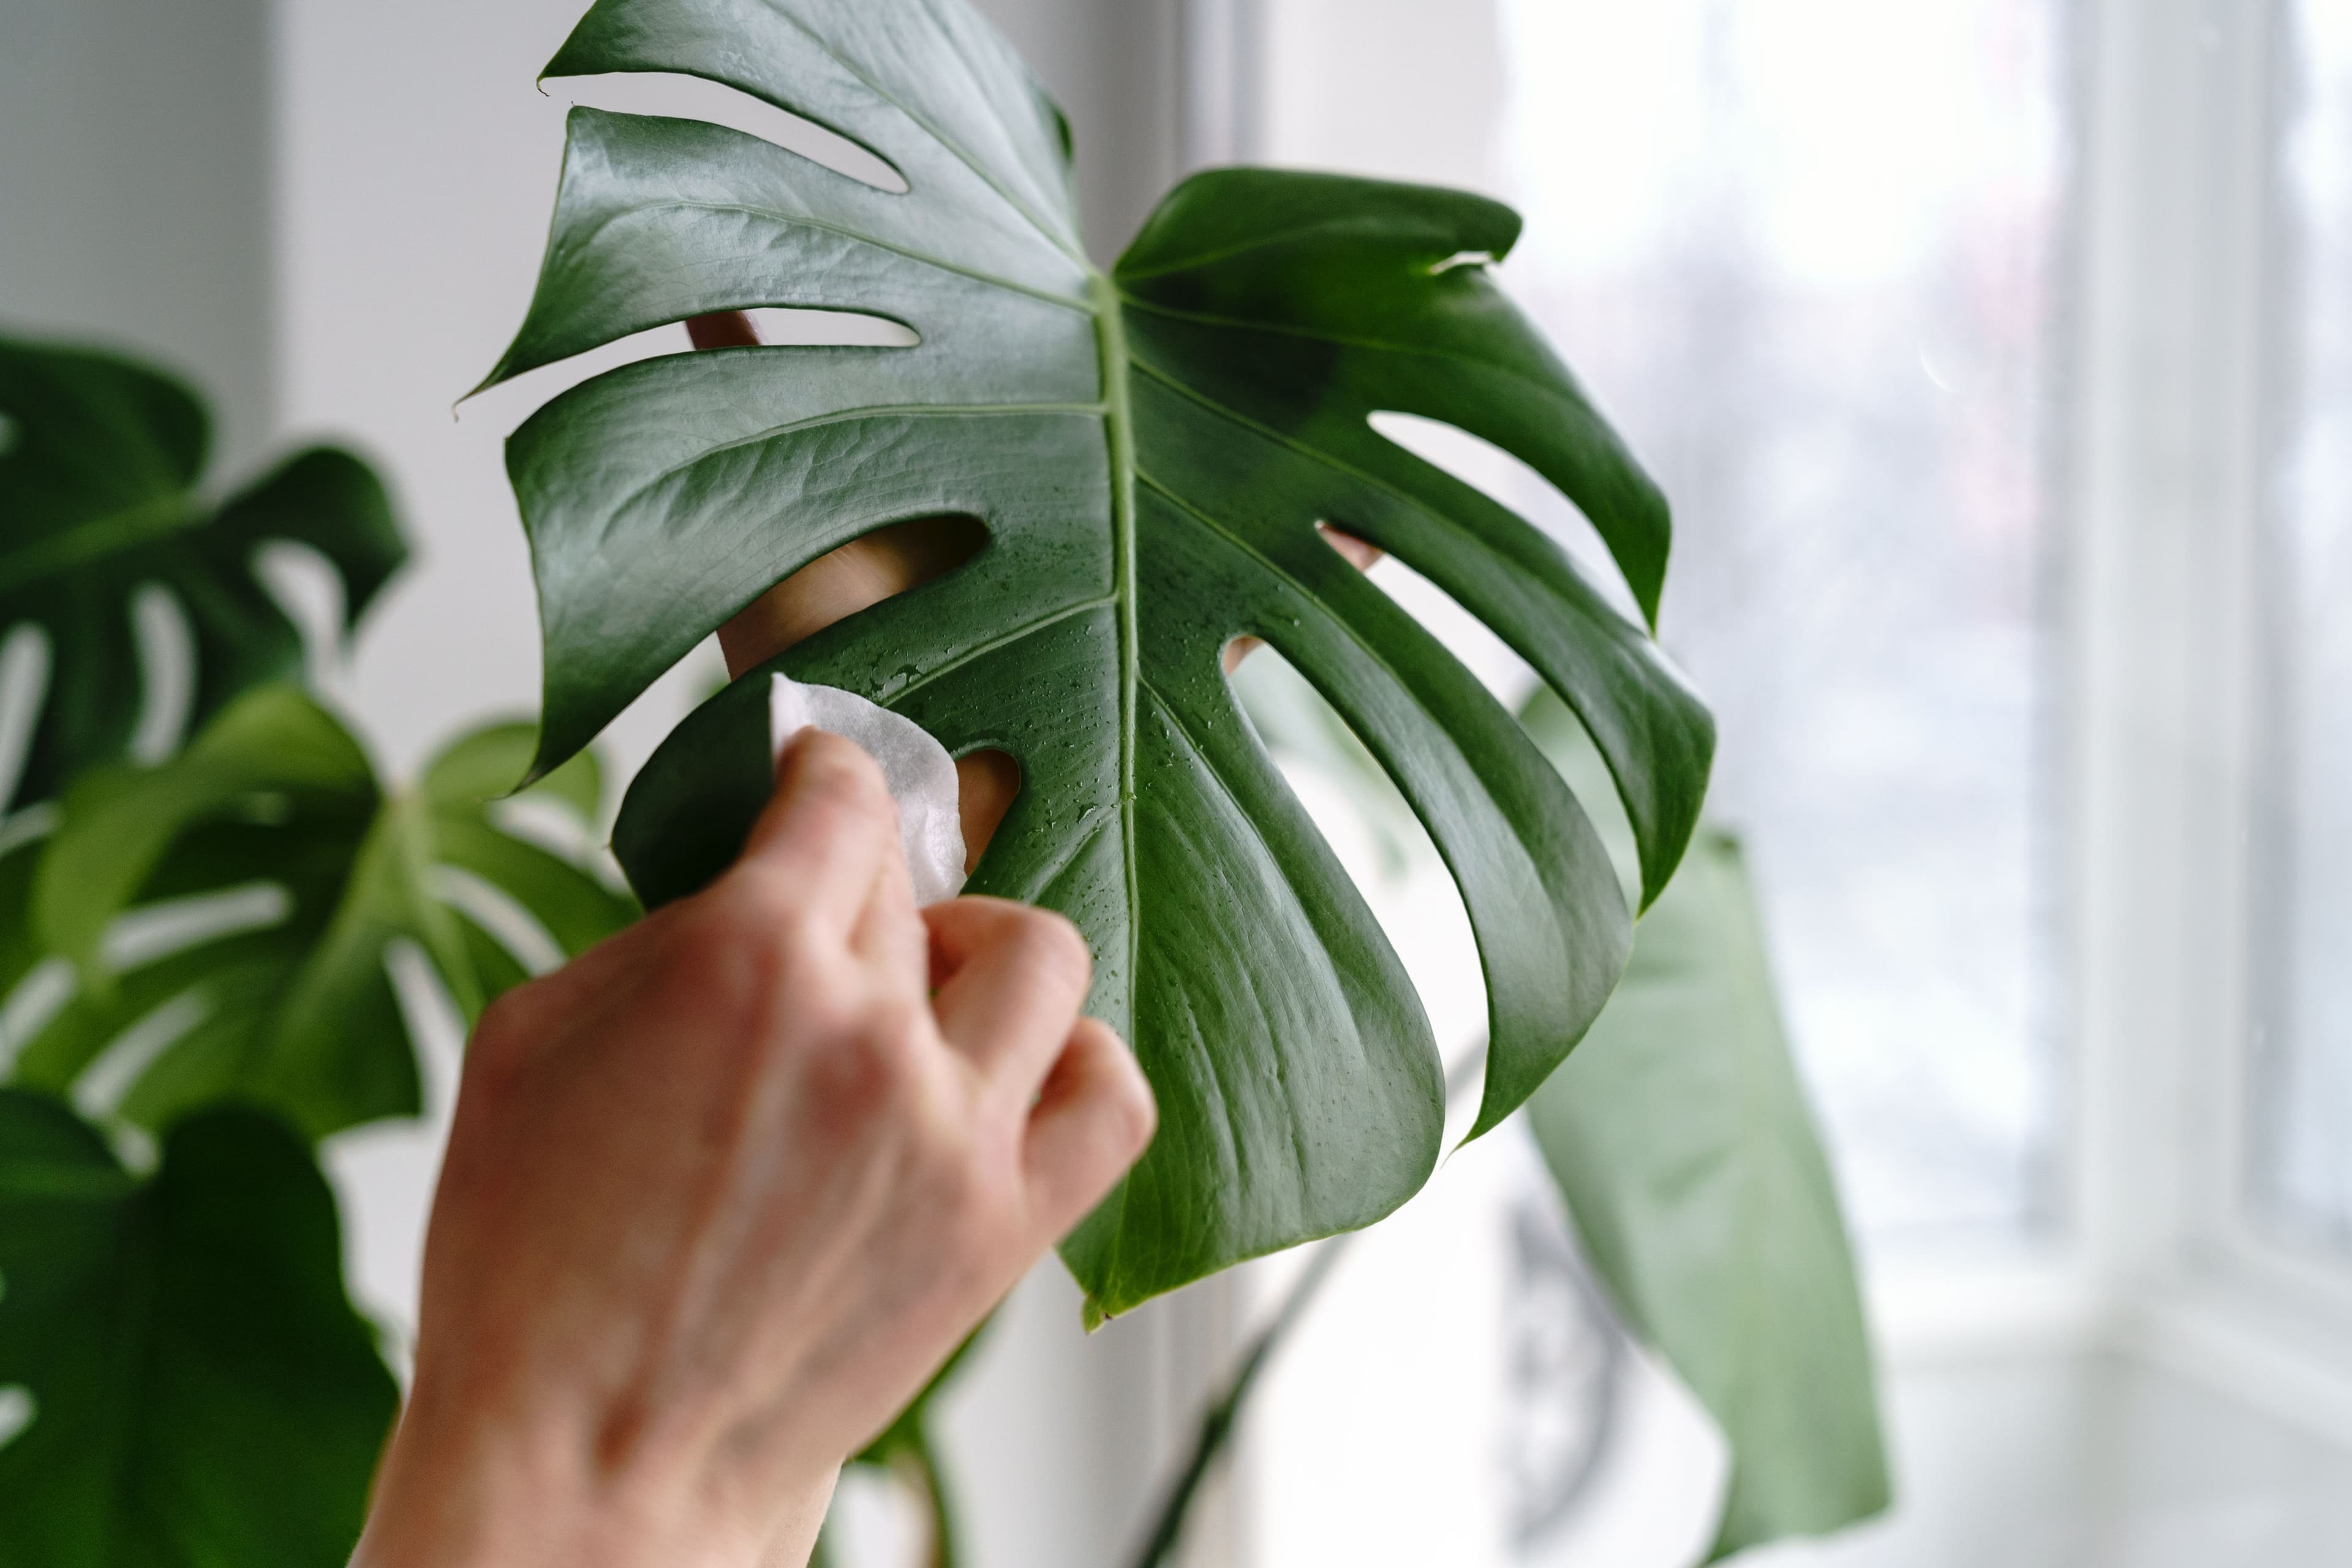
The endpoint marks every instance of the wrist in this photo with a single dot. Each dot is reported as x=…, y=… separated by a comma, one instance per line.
x=485, y=1493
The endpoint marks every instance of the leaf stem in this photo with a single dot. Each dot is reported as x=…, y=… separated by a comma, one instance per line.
x=1223, y=1413
x=918, y=1463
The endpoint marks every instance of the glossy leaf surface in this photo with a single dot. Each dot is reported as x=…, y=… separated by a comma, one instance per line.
x=100, y=463
x=1149, y=451
x=202, y=1392
x=1682, y=1141
x=292, y=1005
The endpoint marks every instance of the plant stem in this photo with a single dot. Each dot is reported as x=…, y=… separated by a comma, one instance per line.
x=1218, y=1421
x=918, y=1463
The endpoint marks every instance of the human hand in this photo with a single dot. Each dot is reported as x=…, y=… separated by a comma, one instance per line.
x=722, y=1192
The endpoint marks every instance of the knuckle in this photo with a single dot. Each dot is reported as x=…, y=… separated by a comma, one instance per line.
x=752, y=905
x=872, y=1063
x=747, y=942
x=1133, y=1113
x=1124, y=1106
x=1050, y=948
x=894, y=1030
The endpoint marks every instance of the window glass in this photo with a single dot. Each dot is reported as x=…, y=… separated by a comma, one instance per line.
x=1803, y=252
x=2303, y=1103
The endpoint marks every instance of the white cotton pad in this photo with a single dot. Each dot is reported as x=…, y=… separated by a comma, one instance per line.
x=920, y=774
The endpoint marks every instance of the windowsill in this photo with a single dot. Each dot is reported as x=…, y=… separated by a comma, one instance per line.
x=2266, y=1330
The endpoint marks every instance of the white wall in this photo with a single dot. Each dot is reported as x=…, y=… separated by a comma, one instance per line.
x=134, y=189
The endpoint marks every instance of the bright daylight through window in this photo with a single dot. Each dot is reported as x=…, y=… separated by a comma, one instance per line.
x=1818, y=298
x=2303, y=1165
x=1805, y=254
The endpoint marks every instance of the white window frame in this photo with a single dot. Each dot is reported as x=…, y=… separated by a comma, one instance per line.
x=2164, y=514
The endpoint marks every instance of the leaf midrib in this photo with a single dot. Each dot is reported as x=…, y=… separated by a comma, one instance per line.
x=109, y=534
x=1118, y=424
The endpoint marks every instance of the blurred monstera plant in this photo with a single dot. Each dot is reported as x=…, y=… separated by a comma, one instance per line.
x=195, y=985
x=99, y=460
x=1151, y=451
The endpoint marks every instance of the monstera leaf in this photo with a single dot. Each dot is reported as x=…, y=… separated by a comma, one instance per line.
x=200, y=1392
x=1682, y=1141
x=1149, y=451
x=230, y=914
x=98, y=462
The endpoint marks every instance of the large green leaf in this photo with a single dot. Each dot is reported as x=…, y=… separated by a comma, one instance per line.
x=1149, y=452
x=202, y=1395
x=100, y=459
x=294, y=1008
x=1681, y=1138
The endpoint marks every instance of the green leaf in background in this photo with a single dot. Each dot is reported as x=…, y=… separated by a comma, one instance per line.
x=230, y=914
x=1149, y=451
x=1682, y=1141
x=202, y=1392
x=100, y=459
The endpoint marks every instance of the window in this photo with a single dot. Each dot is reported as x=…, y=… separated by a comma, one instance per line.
x=1997, y=356
x=1802, y=251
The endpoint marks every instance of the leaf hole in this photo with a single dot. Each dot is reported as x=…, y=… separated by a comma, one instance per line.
x=987, y=783
x=24, y=689
x=159, y=930
x=547, y=823
x=678, y=96
x=501, y=915
x=782, y=326
x=307, y=587
x=1504, y=478
x=509, y=403
x=779, y=326
x=876, y=565
x=437, y=1026
x=134, y=1148
x=1462, y=258
x=167, y=673
x=17, y=1408
x=32, y=1006
x=102, y=1087
x=1385, y=850
x=1516, y=686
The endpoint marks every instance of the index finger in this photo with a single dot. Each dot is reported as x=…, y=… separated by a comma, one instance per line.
x=829, y=832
